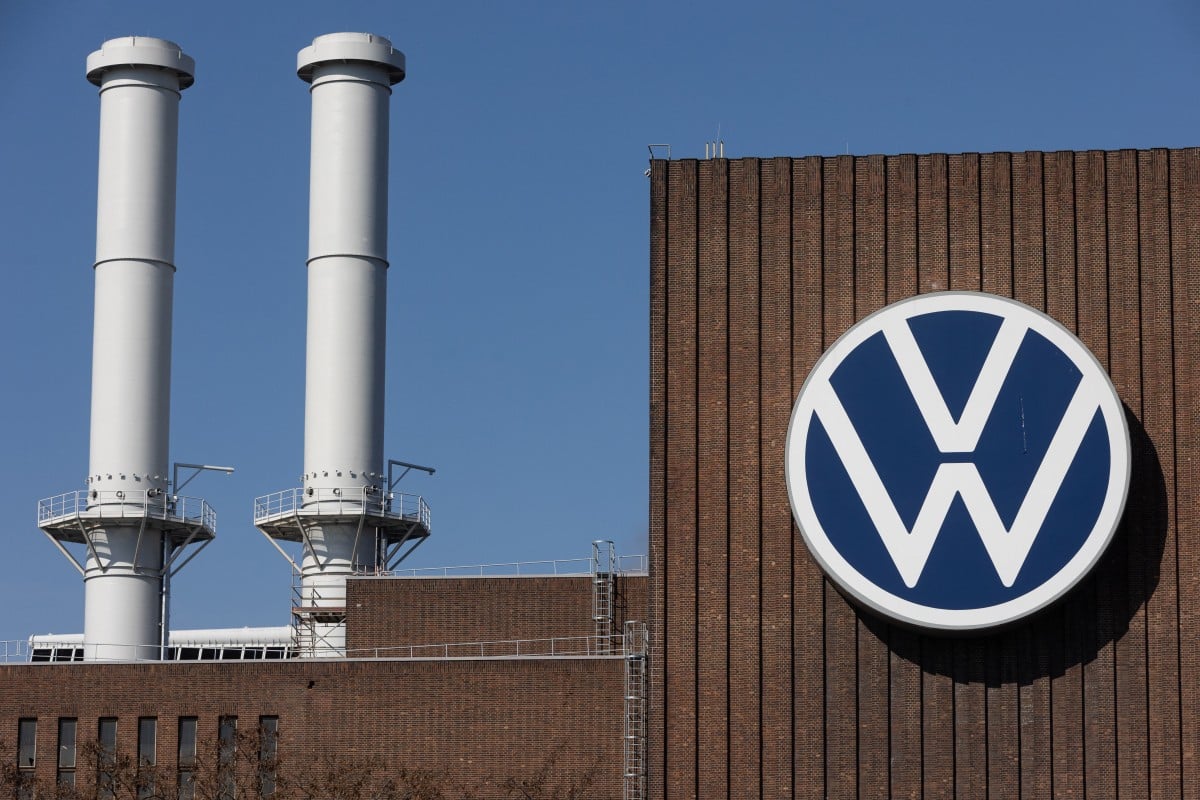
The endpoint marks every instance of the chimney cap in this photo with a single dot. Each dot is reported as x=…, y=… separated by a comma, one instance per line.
x=141, y=51
x=351, y=47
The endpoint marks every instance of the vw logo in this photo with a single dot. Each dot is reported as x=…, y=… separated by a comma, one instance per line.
x=957, y=461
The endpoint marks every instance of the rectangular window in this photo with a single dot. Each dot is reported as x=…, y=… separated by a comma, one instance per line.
x=268, y=754
x=146, y=756
x=66, y=750
x=26, y=744
x=187, y=742
x=108, y=735
x=226, y=752
x=26, y=757
x=106, y=758
x=187, y=784
x=147, y=740
x=187, y=758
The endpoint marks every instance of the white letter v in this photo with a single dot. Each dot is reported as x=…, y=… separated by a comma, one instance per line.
x=1007, y=548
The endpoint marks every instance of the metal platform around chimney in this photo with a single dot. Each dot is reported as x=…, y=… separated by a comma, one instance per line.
x=177, y=522
x=71, y=516
x=399, y=518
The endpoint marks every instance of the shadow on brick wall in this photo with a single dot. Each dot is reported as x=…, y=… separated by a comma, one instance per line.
x=1082, y=626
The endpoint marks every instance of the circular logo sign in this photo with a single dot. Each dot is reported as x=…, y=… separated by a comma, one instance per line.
x=957, y=461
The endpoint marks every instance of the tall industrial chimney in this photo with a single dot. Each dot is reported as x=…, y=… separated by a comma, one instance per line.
x=132, y=527
x=346, y=514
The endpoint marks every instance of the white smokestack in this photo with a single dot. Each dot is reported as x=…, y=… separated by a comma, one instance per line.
x=131, y=526
x=344, y=513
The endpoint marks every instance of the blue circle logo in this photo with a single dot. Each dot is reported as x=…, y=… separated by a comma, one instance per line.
x=957, y=461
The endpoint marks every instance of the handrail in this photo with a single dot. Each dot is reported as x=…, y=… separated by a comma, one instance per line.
x=555, y=647
x=350, y=501
x=577, y=566
x=127, y=504
x=71, y=650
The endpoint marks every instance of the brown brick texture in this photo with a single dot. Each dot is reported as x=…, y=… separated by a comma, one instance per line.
x=478, y=721
x=394, y=612
x=767, y=682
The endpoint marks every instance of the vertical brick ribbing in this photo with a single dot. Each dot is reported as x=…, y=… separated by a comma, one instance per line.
x=1028, y=230
x=937, y=690
x=1066, y=654
x=655, y=737
x=841, y=685
x=995, y=223
x=1129, y=547
x=870, y=285
x=1185, y=256
x=963, y=188
x=713, y=500
x=745, y=756
x=1096, y=695
x=1002, y=651
x=679, y=770
x=904, y=662
x=970, y=706
x=1033, y=656
x=808, y=636
x=1099, y=691
x=901, y=221
x=775, y=357
x=1158, y=398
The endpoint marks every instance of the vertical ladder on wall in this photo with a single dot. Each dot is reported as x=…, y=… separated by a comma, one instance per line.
x=604, y=569
x=634, y=776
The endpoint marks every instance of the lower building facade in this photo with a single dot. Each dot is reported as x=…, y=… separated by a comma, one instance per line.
x=468, y=727
x=451, y=687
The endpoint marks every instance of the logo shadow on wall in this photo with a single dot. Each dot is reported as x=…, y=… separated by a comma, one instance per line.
x=1076, y=629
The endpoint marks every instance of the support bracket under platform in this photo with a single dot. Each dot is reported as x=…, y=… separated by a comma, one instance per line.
x=396, y=517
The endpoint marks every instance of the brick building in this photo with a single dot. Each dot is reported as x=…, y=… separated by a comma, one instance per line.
x=478, y=679
x=764, y=680
x=769, y=682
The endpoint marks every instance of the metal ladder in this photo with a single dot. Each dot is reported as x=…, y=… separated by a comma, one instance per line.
x=604, y=570
x=634, y=775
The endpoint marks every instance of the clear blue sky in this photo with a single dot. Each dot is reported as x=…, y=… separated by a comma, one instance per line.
x=518, y=297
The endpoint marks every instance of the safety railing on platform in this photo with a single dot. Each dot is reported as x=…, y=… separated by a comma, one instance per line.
x=71, y=650
x=563, y=647
x=635, y=564
x=14, y=651
x=350, y=501
x=127, y=504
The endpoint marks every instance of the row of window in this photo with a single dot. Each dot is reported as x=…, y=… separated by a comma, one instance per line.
x=72, y=652
x=147, y=755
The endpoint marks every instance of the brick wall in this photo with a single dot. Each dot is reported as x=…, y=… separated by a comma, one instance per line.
x=480, y=721
x=767, y=681
x=386, y=612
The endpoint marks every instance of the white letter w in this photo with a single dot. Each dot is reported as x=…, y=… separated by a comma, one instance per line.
x=1006, y=547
